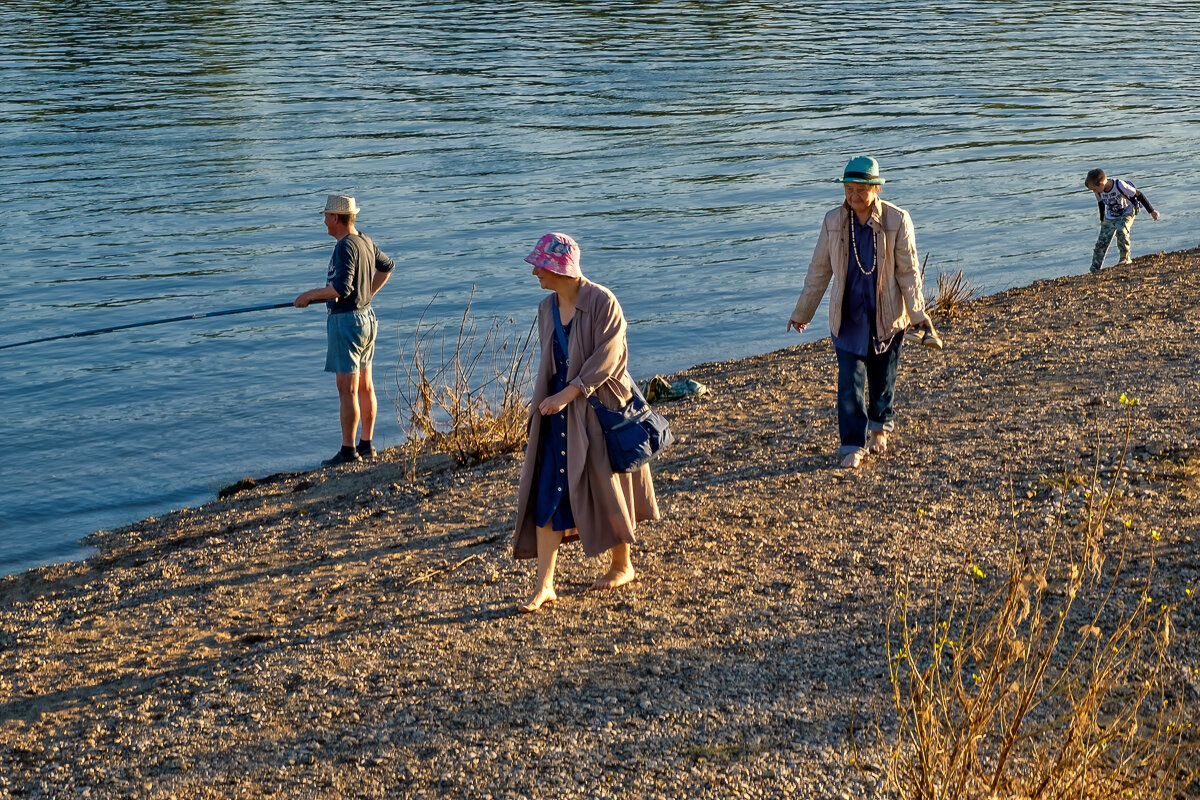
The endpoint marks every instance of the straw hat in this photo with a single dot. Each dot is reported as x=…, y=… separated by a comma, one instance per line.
x=340, y=204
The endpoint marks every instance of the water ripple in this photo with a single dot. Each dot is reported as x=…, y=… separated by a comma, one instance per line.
x=161, y=159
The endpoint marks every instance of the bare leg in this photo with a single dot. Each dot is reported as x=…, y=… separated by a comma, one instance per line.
x=347, y=386
x=366, y=402
x=620, y=572
x=548, y=541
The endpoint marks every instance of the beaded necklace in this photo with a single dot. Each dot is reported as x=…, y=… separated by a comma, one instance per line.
x=874, y=248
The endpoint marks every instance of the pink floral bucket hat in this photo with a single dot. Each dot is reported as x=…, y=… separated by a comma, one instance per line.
x=557, y=253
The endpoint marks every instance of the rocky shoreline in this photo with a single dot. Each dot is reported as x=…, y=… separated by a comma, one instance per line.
x=352, y=632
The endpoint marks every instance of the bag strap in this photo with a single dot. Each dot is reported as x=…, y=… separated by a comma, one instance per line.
x=637, y=401
x=560, y=333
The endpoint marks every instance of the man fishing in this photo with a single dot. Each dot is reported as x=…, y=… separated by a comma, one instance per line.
x=357, y=270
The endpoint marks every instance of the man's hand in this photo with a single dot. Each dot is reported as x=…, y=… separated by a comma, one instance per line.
x=1154, y=216
x=326, y=292
x=799, y=326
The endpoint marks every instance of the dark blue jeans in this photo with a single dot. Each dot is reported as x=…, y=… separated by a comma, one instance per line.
x=865, y=388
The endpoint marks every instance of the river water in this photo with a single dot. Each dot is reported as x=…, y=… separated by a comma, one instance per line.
x=161, y=159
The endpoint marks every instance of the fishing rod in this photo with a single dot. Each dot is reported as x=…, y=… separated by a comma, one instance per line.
x=151, y=322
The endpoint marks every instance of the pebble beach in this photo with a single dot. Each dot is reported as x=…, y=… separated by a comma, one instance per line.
x=352, y=632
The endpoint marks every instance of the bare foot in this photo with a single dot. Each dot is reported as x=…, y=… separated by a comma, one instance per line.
x=852, y=460
x=539, y=599
x=879, y=441
x=616, y=576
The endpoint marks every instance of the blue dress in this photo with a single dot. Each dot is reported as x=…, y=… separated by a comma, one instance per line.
x=553, y=499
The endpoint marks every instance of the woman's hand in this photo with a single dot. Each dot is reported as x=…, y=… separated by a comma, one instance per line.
x=557, y=402
x=799, y=326
x=923, y=325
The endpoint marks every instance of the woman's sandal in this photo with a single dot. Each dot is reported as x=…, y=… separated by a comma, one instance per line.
x=928, y=338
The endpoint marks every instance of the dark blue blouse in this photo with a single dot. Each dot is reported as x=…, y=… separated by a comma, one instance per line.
x=858, y=303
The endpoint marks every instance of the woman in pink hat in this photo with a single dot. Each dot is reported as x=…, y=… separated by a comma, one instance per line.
x=568, y=489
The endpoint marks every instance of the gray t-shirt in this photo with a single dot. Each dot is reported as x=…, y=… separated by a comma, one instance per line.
x=352, y=268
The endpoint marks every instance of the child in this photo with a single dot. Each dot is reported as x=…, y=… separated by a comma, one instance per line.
x=1119, y=201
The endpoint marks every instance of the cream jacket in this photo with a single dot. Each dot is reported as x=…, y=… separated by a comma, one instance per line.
x=899, y=300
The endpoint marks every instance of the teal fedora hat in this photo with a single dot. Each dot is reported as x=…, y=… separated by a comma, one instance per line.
x=862, y=169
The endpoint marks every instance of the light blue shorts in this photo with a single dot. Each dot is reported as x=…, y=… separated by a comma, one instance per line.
x=351, y=336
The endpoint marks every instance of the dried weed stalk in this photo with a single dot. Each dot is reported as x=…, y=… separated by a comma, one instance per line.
x=1054, y=684
x=465, y=391
x=953, y=293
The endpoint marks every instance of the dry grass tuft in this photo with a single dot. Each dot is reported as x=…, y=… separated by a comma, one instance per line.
x=953, y=293
x=465, y=391
x=1051, y=681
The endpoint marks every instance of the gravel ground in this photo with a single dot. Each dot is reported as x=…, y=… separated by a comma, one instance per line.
x=352, y=632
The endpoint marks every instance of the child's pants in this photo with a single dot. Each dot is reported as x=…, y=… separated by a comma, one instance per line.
x=1108, y=227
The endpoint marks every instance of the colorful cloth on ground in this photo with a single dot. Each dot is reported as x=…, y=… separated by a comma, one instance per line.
x=659, y=390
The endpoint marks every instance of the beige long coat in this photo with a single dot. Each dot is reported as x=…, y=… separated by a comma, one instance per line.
x=606, y=505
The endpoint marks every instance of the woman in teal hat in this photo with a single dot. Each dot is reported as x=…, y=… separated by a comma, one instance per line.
x=868, y=248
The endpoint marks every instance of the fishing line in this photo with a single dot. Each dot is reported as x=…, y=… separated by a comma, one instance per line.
x=151, y=322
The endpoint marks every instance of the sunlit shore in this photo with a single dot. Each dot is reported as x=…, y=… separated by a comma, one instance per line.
x=354, y=632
